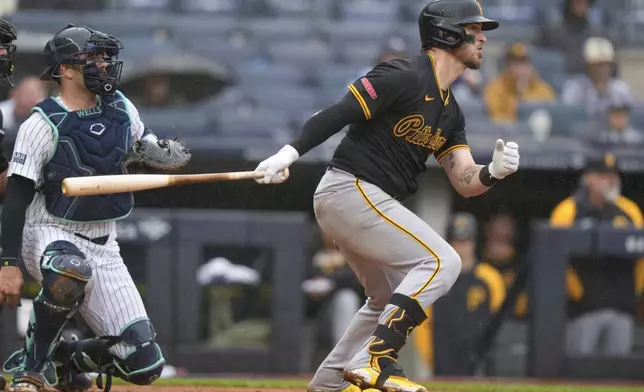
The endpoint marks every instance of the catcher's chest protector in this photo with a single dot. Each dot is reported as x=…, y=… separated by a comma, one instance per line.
x=89, y=142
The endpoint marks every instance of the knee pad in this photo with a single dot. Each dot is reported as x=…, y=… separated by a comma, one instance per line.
x=65, y=273
x=144, y=364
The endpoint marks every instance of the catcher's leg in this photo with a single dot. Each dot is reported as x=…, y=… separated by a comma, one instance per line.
x=126, y=346
x=65, y=273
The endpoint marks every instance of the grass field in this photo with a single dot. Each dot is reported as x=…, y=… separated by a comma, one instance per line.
x=274, y=385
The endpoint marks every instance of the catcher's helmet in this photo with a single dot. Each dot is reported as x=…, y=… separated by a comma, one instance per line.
x=73, y=45
x=7, y=36
x=442, y=23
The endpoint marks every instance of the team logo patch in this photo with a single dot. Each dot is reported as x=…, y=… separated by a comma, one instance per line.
x=367, y=85
x=19, y=158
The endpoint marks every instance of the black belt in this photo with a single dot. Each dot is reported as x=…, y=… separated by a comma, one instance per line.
x=98, y=240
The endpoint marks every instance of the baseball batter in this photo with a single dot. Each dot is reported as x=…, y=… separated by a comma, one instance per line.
x=399, y=114
x=68, y=244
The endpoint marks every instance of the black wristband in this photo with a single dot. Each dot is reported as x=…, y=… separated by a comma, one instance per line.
x=9, y=262
x=486, y=178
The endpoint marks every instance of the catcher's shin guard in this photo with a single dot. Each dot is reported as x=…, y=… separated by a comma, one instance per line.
x=65, y=274
x=383, y=372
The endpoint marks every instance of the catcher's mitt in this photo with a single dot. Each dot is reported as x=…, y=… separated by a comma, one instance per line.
x=158, y=155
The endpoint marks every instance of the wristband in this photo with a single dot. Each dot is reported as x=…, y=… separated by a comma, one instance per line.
x=9, y=262
x=486, y=178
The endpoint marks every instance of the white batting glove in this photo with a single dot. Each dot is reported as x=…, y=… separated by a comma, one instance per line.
x=275, y=166
x=505, y=159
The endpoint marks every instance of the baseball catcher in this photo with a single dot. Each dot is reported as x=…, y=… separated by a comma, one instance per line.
x=399, y=114
x=68, y=244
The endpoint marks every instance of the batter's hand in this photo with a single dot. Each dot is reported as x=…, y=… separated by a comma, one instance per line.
x=505, y=159
x=10, y=286
x=276, y=165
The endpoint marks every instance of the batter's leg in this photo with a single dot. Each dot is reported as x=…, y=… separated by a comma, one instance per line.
x=329, y=376
x=418, y=263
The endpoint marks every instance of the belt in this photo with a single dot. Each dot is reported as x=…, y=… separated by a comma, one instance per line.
x=98, y=240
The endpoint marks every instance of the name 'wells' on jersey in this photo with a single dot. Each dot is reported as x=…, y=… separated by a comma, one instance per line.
x=89, y=142
x=408, y=116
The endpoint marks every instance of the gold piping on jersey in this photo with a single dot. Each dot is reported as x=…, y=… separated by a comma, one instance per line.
x=361, y=101
x=444, y=98
x=409, y=233
x=450, y=150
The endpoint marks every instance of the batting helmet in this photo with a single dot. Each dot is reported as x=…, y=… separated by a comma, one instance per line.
x=7, y=36
x=75, y=46
x=442, y=23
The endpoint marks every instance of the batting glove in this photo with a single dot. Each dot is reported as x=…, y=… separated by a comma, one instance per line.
x=276, y=165
x=505, y=159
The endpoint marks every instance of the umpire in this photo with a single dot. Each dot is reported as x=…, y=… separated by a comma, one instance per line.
x=602, y=291
x=460, y=317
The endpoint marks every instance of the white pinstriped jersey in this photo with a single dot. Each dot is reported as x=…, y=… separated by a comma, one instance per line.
x=112, y=300
x=34, y=145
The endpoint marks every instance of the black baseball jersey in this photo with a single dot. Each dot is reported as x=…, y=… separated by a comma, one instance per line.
x=407, y=117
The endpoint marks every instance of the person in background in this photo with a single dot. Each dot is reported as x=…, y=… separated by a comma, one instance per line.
x=619, y=129
x=597, y=87
x=519, y=82
x=459, y=318
x=569, y=34
x=29, y=91
x=333, y=286
x=602, y=291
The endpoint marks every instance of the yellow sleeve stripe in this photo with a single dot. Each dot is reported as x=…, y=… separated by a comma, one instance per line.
x=451, y=149
x=361, y=101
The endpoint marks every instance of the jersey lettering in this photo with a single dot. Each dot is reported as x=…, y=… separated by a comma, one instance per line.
x=414, y=130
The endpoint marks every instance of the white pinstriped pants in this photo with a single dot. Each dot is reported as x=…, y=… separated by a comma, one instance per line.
x=112, y=301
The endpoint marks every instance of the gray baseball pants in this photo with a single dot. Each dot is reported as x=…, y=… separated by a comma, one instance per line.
x=390, y=249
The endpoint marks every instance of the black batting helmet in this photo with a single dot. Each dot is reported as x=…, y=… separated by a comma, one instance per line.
x=442, y=23
x=75, y=46
x=7, y=36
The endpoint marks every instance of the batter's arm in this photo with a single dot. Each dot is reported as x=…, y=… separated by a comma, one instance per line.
x=464, y=173
x=470, y=179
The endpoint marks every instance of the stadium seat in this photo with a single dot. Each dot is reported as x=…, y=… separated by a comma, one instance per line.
x=301, y=53
x=257, y=73
x=373, y=10
x=548, y=62
x=358, y=55
x=336, y=76
x=564, y=118
x=359, y=31
x=284, y=98
x=220, y=7
x=172, y=122
x=259, y=122
x=269, y=30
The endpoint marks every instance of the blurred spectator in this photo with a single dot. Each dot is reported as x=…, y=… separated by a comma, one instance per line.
x=460, y=317
x=597, y=87
x=392, y=48
x=333, y=286
x=157, y=92
x=27, y=93
x=619, y=129
x=568, y=35
x=500, y=251
x=469, y=86
x=519, y=82
x=602, y=291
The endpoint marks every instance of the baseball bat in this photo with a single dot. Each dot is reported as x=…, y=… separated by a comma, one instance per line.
x=119, y=183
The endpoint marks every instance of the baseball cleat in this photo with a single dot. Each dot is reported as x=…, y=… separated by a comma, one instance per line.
x=27, y=381
x=384, y=375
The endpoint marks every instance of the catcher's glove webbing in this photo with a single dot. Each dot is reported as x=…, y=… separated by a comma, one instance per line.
x=161, y=154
